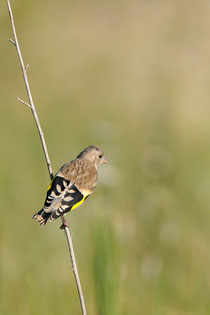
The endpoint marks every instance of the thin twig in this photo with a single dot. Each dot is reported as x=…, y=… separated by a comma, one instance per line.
x=75, y=271
x=19, y=99
x=12, y=41
x=44, y=146
x=25, y=78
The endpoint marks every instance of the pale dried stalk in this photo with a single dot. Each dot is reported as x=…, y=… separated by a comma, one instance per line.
x=47, y=158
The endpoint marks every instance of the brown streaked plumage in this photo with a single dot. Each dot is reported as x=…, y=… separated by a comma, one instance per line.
x=72, y=184
x=82, y=172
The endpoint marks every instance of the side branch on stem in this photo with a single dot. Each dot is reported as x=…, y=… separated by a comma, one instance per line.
x=30, y=103
x=19, y=99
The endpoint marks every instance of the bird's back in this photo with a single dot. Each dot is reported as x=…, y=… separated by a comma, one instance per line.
x=81, y=172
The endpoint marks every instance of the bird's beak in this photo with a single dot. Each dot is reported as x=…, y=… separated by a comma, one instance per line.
x=104, y=160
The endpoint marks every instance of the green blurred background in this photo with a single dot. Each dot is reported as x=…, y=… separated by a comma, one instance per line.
x=134, y=78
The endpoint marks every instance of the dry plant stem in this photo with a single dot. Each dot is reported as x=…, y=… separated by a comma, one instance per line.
x=32, y=107
x=75, y=271
x=31, y=103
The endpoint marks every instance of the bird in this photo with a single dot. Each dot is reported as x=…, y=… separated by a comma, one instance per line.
x=71, y=185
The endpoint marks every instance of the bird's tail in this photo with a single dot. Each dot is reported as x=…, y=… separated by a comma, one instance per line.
x=56, y=214
x=41, y=216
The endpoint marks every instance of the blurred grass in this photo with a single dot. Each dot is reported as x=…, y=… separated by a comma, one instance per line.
x=105, y=267
x=133, y=78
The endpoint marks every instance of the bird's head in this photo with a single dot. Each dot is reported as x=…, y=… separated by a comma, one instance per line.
x=93, y=154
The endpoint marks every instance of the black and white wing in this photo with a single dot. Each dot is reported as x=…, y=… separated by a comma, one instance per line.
x=62, y=196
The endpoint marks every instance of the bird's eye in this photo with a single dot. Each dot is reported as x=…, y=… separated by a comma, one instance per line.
x=100, y=156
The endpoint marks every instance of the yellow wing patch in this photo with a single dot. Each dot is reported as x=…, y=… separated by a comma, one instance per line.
x=78, y=203
x=85, y=195
x=51, y=183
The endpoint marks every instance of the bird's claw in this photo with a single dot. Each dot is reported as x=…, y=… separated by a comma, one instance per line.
x=64, y=224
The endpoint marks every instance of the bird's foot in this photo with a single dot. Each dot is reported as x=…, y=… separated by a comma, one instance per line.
x=64, y=224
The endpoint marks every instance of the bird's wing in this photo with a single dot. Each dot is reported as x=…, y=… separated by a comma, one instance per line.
x=72, y=198
x=55, y=192
x=63, y=196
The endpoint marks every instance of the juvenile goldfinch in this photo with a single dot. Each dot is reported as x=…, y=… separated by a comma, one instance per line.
x=72, y=184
